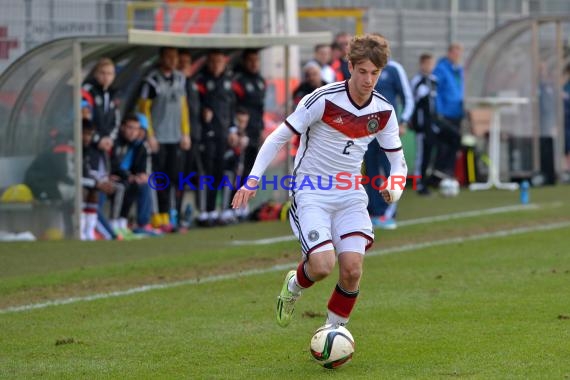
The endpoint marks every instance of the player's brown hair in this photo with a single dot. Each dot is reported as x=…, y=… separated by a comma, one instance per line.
x=369, y=46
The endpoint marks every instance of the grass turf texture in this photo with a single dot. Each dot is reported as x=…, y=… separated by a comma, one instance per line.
x=494, y=308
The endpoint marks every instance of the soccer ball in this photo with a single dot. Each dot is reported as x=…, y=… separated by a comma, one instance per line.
x=332, y=346
x=449, y=187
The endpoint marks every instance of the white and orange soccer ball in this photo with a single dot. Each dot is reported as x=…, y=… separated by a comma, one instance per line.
x=332, y=346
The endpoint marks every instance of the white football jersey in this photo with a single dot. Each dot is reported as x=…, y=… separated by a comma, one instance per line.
x=335, y=133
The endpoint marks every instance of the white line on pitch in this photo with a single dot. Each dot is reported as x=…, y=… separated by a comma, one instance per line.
x=275, y=268
x=429, y=219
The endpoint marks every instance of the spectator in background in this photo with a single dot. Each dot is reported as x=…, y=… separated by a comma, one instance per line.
x=340, y=65
x=218, y=103
x=449, y=106
x=322, y=56
x=102, y=98
x=130, y=163
x=394, y=86
x=234, y=156
x=163, y=102
x=311, y=81
x=95, y=179
x=192, y=160
x=424, y=88
x=566, y=96
x=249, y=87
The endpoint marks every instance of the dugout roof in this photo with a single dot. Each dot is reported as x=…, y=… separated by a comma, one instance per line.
x=40, y=91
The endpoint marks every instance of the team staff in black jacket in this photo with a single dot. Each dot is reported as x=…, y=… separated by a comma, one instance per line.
x=249, y=87
x=218, y=106
x=104, y=103
x=424, y=87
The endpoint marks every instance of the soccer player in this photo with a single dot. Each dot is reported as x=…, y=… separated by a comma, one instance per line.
x=336, y=123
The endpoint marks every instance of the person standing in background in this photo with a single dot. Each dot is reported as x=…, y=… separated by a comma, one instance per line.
x=449, y=106
x=393, y=85
x=163, y=102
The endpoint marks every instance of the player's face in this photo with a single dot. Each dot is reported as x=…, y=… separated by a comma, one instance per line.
x=426, y=66
x=364, y=76
x=251, y=63
x=169, y=59
x=313, y=76
x=242, y=120
x=323, y=55
x=87, y=136
x=131, y=130
x=185, y=64
x=105, y=75
x=216, y=64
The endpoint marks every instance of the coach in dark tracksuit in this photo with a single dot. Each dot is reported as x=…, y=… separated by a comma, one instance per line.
x=218, y=106
x=424, y=89
x=163, y=101
x=249, y=87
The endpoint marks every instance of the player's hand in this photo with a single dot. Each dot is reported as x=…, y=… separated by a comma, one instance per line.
x=185, y=143
x=386, y=196
x=105, y=144
x=244, y=194
x=153, y=144
x=106, y=187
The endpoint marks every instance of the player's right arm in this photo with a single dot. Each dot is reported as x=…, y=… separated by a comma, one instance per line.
x=269, y=149
x=307, y=113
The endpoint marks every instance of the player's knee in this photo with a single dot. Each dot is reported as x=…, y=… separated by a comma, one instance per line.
x=321, y=265
x=351, y=273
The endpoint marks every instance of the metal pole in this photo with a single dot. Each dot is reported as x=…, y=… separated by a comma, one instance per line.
x=453, y=14
x=28, y=13
x=559, y=149
x=535, y=78
x=77, y=141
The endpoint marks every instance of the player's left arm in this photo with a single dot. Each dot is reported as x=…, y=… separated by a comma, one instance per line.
x=391, y=144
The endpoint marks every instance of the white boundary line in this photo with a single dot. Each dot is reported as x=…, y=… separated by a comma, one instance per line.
x=275, y=268
x=410, y=222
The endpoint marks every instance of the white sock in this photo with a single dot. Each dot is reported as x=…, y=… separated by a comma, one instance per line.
x=123, y=223
x=293, y=285
x=82, y=226
x=114, y=224
x=335, y=319
x=91, y=223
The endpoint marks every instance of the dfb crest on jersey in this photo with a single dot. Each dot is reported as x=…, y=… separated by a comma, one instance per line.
x=313, y=235
x=372, y=126
x=210, y=85
x=249, y=87
x=227, y=85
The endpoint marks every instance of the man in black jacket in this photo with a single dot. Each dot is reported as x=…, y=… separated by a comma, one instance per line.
x=424, y=87
x=218, y=106
x=250, y=87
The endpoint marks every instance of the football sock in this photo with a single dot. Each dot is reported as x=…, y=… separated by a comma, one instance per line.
x=90, y=220
x=340, y=305
x=301, y=280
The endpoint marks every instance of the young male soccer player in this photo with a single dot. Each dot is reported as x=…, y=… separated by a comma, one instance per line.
x=336, y=122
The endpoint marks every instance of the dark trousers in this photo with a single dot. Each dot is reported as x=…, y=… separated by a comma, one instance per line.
x=448, y=143
x=376, y=163
x=425, y=145
x=168, y=160
x=213, y=163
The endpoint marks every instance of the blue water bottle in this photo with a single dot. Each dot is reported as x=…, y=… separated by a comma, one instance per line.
x=525, y=196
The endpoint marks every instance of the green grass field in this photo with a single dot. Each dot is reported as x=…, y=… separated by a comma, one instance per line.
x=480, y=295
